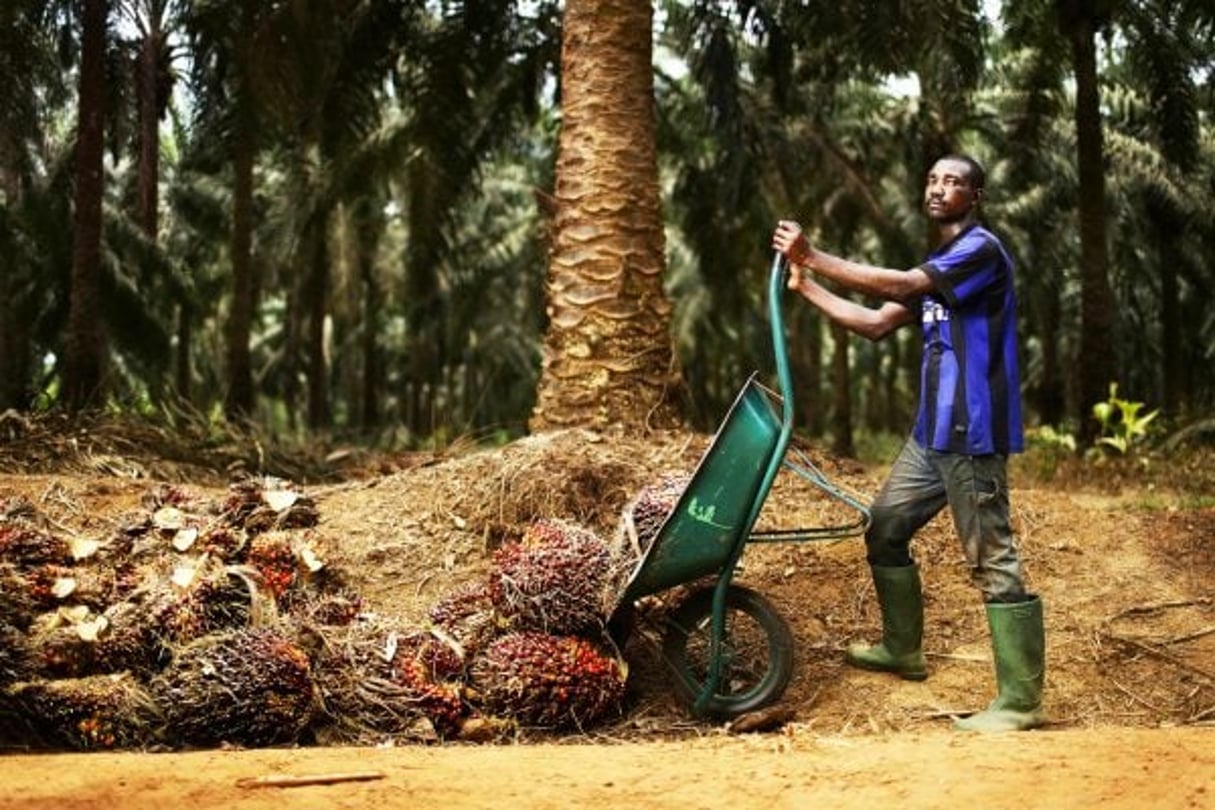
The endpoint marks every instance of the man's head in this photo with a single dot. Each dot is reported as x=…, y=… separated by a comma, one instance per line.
x=953, y=189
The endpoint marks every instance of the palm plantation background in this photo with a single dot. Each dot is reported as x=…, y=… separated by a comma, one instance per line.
x=411, y=221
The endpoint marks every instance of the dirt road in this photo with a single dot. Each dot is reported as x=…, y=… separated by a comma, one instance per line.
x=1110, y=768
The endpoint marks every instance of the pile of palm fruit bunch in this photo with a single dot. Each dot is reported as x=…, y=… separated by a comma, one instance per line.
x=197, y=622
x=482, y=666
x=173, y=591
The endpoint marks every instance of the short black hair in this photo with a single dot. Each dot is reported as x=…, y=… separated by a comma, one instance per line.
x=978, y=175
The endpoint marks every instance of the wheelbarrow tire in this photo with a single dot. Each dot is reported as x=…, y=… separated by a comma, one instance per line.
x=759, y=643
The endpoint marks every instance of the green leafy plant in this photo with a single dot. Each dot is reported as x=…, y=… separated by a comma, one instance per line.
x=1121, y=423
x=1048, y=448
x=1047, y=437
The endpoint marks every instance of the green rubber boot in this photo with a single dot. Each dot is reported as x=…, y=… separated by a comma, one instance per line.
x=1018, y=641
x=902, y=604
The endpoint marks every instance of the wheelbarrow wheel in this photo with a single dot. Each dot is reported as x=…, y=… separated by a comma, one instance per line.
x=756, y=652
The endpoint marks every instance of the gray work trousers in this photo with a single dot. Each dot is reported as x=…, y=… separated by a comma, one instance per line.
x=920, y=484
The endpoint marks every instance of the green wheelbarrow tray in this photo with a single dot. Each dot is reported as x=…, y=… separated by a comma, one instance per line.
x=706, y=531
x=713, y=516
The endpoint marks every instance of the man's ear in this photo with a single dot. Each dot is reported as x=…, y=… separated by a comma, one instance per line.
x=976, y=196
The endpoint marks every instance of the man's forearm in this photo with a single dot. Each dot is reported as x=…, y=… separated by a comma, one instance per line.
x=879, y=282
x=873, y=324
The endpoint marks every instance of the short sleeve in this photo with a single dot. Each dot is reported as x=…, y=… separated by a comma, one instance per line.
x=966, y=269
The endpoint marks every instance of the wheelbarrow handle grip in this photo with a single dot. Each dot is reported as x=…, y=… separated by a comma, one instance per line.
x=777, y=282
x=780, y=268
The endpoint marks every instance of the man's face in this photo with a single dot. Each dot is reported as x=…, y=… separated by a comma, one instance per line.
x=948, y=193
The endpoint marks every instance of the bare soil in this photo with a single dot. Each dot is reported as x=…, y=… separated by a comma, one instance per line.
x=1122, y=557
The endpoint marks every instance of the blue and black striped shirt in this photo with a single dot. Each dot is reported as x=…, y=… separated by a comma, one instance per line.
x=970, y=399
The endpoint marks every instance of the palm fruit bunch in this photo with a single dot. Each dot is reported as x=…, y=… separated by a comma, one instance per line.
x=128, y=641
x=243, y=499
x=430, y=668
x=29, y=546
x=275, y=561
x=60, y=652
x=171, y=495
x=44, y=584
x=647, y=512
x=96, y=712
x=467, y=616
x=224, y=542
x=332, y=609
x=215, y=598
x=14, y=656
x=246, y=687
x=74, y=640
x=17, y=605
x=421, y=654
x=376, y=681
x=552, y=580
x=548, y=681
x=261, y=505
x=94, y=586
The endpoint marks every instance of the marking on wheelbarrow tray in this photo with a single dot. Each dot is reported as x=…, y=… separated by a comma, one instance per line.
x=705, y=514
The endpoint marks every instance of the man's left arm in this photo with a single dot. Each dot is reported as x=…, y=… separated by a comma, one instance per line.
x=878, y=282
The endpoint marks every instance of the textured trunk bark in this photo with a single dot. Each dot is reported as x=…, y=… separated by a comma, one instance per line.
x=608, y=357
x=84, y=361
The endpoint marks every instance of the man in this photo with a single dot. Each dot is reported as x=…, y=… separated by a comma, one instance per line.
x=968, y=421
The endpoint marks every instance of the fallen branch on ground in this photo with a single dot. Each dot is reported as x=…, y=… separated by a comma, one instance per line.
x=287, y=780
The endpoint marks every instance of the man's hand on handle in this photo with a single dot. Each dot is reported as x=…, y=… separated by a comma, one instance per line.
x=789, y=240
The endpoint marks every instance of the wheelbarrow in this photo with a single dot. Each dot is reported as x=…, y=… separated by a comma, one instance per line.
x=728, y=647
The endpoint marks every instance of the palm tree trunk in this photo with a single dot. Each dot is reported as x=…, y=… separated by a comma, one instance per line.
x=149, y=128
x=841, y=396
x=148, y=92
x=1173, y=388
x=15, y=338
x=1097, y=364
x=368, y=230
x=608, y=356
x=239, y=400
x=1172, y=350
x=1052, y=390
x=316, y=302
x=84, y=347
x=807, y=361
